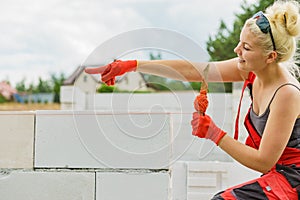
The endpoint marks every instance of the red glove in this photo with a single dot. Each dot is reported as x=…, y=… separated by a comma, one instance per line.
x=204, y=127
x=201, y=102
x=110, y=71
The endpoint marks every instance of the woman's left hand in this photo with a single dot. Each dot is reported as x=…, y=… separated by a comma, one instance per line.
x=204, y=127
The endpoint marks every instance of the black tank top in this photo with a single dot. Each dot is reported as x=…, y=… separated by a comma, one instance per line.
x=259, y=122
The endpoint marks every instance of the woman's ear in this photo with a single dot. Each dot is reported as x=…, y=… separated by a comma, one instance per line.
x=272, y=57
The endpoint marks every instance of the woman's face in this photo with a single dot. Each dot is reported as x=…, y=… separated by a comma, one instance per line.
x=251, y=57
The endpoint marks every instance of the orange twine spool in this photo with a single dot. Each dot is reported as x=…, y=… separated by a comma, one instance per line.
x=201, y=102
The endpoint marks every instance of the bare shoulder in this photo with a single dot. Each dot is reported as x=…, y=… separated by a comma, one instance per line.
x=290, y=90
x=287, y=99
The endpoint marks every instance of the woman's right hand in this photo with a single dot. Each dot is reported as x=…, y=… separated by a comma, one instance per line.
x=110, y=71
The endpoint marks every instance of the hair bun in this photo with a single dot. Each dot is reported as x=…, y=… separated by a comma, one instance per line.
x=291, y=17
x=287, y=14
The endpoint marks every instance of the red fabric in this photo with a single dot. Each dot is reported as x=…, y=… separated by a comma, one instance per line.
x=204, y=127
x=274, y=185
x=248, y=81
x=253, y=139
x=290, y=156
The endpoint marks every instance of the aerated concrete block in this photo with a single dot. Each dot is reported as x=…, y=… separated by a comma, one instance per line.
x=87, y=139
x=187, y=147
x=133, y=186
x=17, y=137
x=22, y=185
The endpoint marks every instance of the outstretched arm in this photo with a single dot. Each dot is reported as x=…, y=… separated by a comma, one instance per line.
x=223, y=71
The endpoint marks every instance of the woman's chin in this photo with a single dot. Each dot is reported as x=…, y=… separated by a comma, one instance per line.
x=242, y=66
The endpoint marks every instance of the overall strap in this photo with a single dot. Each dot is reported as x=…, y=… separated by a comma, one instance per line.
x=248, y=83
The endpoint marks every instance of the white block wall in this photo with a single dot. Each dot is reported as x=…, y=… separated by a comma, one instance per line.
x=61, y=155
x=37, y=185
x=102, y=140
x=180, y=107
x=95, y=155
x=204, y=179
x=72, y=98
x=17, y=138
x=132, y=185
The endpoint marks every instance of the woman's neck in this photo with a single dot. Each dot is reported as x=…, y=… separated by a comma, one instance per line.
x=269, y=75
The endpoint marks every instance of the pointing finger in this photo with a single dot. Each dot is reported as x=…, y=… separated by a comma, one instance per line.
x=95, y=70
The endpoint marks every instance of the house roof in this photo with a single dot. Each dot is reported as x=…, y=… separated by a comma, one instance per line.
x=72, y=78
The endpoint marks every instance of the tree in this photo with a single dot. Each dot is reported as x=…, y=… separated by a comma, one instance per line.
x=298, y=59
x=57, y=82
x=20, y=86
x=43, y=86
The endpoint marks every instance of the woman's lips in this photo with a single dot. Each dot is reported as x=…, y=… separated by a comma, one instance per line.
x=241, y=60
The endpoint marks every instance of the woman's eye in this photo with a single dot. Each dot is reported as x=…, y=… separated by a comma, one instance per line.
x=246, y=48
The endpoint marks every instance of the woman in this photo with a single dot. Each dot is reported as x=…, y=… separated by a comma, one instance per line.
x=273, y=121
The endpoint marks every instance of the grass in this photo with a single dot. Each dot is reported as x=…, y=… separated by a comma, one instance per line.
x=13, y=106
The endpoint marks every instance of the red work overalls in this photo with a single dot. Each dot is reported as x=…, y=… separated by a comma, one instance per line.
x=282, y=182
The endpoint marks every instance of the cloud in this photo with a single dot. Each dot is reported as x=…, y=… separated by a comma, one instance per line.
x=57, y=35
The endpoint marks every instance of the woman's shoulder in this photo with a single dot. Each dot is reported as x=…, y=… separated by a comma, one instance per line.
x=287, y=98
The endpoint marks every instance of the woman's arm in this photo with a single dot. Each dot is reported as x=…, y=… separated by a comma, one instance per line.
x=223, y=71
x=282, y=117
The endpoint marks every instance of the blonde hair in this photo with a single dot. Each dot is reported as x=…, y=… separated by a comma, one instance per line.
x=284, y=19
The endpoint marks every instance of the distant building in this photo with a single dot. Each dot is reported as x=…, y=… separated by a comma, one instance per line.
x=78, y=85
x=75, y=88
x=85, y=82
x=133, y=81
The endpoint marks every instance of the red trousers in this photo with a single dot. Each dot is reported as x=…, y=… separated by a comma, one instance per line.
x=270, y=186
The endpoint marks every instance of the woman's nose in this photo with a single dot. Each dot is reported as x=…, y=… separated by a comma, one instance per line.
x=237, y=49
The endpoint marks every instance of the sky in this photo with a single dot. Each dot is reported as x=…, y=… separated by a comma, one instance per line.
x=43, y=37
